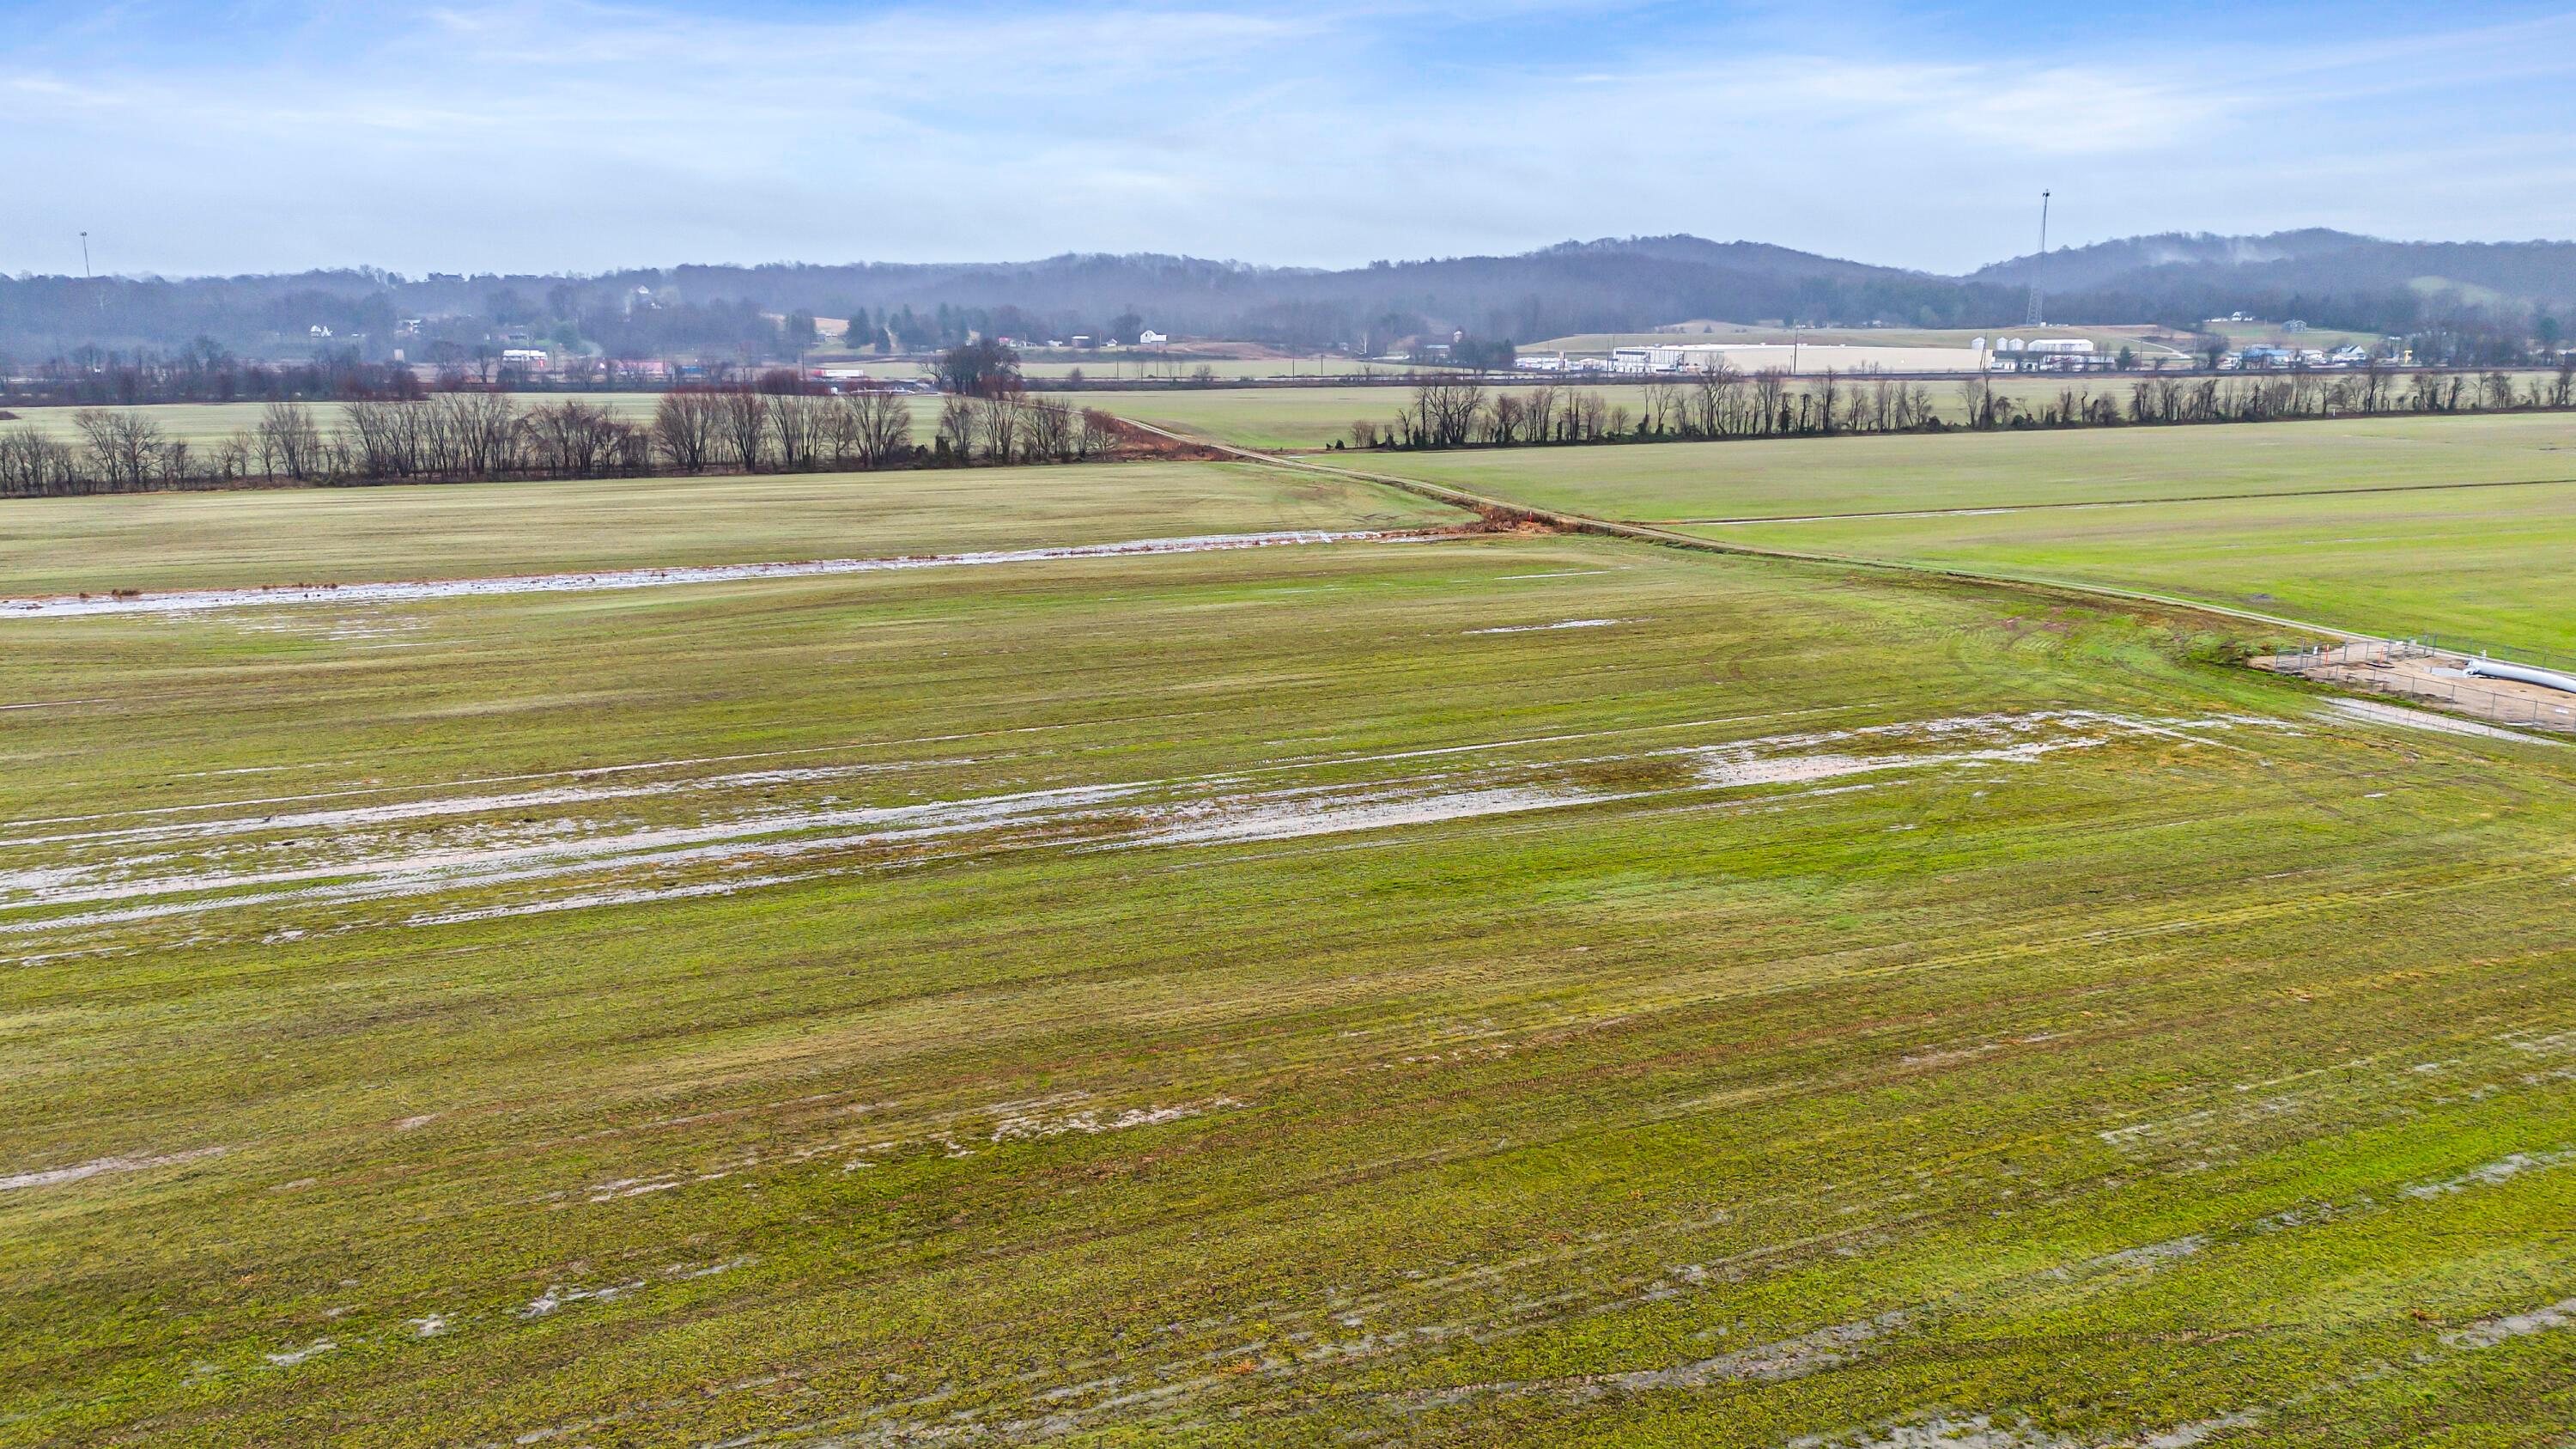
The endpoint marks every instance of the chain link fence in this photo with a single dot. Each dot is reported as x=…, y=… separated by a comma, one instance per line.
x=2415, y=668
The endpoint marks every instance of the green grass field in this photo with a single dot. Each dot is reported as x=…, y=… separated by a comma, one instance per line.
x=2488, y=564
x=1509, y=989
x=1141, y=367
x=1667, y=482
x=2272, y=334
x=2400, y=525
x=453, y=530
x=1276, y=419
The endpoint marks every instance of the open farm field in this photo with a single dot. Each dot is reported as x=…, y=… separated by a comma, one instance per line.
x=2273, y=334
x=1231, y=369
x=1796, y=478
x=2490, y=564
x=451, y=530
x=1283, y=418
x=1500, y=989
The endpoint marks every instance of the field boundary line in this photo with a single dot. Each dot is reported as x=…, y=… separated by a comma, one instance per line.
x=1665, y=537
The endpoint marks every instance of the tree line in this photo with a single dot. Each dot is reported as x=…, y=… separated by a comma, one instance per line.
x=1722, y=402
x=481, y=436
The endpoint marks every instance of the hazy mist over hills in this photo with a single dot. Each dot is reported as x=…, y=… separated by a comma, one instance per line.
x=1618, y=284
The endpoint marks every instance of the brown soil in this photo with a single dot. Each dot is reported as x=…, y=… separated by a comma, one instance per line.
x=1138, y=443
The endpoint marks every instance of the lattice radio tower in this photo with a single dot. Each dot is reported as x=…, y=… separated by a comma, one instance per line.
x=2033, y=320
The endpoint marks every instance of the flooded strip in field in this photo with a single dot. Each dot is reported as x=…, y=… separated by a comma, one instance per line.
x=192, y=601
x=669, y=831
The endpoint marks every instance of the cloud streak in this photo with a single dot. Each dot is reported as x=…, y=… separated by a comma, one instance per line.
x=581, y=134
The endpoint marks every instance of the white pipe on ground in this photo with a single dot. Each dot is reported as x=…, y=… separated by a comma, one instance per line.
x=2498, y=669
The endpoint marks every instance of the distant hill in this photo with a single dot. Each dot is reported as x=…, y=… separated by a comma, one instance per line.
x=2317, y=269
x=1631, y=284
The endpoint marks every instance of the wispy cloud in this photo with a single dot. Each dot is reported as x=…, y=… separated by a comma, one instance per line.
x=587, y=133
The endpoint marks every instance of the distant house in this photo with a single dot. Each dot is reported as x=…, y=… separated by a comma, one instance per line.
x=318, y=331
x=532, y=358
x=1151, y=338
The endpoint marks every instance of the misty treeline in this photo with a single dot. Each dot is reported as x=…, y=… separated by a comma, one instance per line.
x=2490, y=304
x=205, y=372
x=483, y=436
x=1724, y=403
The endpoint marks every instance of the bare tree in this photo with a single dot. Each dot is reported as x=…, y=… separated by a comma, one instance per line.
x=124, y=448
x=998, y=420
x=1538, y=414
x=880, y=427
x=33, y=465
x=685, y=430
x=742, y=428
x=1446, y=409
x=1047, y=430
x=289, y=442
x=957, y=428
x=796, y=422
x=1095, y=434
x=578, y=440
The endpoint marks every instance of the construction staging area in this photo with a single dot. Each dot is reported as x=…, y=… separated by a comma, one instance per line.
x=2462, y=682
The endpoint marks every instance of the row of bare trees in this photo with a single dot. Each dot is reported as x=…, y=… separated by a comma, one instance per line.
x=1721, y=403
x=1718, y=402
x=480, y=436
x=2369, y=392
x=1020, y=429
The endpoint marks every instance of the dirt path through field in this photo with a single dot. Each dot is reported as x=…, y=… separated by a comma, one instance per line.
x=1497, y=507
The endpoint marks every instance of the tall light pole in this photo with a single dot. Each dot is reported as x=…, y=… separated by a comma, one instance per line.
x=85, y=274
x=2034, y=319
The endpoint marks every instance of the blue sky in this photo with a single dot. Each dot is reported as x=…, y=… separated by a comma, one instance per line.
x=273, y=135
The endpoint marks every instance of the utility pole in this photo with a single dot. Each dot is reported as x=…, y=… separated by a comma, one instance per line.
x=85, y=275
x=2034, y=319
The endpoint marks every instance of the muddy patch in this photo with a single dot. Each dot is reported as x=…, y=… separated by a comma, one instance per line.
x=56, y=1176
x=661, y=832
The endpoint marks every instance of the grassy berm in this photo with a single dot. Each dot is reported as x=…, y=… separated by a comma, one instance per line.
x=1501, y=990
